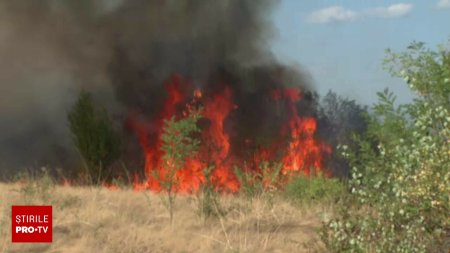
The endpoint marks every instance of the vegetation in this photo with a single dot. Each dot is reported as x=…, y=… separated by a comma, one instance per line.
x=208, y=199
x=94, y=137
x=38, y=185
x=396, y=198
x=178, y=145
x=400, y=180
x=341, y=118
x=266, y=182
x=314, y=189
x=95, y=219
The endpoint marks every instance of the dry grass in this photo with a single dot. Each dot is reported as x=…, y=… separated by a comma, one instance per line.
x=89, y=219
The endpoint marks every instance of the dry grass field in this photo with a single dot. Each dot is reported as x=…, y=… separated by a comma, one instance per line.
x=95, y=219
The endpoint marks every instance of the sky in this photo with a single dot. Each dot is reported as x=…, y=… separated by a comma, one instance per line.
x=342, y=43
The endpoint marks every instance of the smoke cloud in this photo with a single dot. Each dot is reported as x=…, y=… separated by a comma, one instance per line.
x=123, y=51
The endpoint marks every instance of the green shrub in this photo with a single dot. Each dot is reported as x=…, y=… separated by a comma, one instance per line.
x=307, y=189
x=94, y=137
x=401, y=169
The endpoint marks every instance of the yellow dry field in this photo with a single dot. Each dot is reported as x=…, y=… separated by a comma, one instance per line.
x=95, y=219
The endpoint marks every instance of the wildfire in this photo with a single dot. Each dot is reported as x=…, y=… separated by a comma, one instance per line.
x=218, y=142
x=302, y=152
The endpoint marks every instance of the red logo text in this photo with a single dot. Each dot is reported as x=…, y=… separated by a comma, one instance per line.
x=31, y=223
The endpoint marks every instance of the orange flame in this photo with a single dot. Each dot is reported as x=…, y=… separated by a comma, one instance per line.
x=301, y=154
x=218, y=143
x=304, y=153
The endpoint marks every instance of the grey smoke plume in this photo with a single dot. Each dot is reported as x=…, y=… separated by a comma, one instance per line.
x=48, y=52
x=122, y=51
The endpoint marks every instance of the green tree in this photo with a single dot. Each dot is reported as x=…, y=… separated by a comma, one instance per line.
x=426, y=72
x=179, y=144
x=94, y=137
x=400, y=186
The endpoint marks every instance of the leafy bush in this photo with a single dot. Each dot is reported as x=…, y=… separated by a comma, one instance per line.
x=94, y=137
x=401, y=169
x=306, y=189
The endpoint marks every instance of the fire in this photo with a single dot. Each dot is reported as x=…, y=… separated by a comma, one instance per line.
x=198, y=93
x=149, y=134
x=301, y=151
x=218, y=142
x=304, y=152
x=66, y=183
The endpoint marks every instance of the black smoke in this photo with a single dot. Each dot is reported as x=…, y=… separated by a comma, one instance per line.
x=122, y=51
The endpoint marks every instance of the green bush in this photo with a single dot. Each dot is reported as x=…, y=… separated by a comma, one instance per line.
x=94, y=137
x=401, y=168
x=307, y=189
